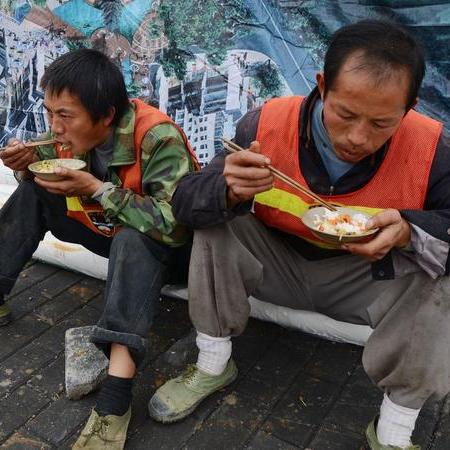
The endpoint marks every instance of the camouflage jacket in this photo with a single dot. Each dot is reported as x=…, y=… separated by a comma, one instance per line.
x=165, y=160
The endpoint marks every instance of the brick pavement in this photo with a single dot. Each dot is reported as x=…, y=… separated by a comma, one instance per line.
x=294, y=391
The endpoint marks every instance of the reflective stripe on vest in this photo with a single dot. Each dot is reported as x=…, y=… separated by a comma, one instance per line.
x=92, y=214
x=401, y=181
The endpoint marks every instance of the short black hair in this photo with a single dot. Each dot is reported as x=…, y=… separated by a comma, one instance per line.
x=93, y=78
x=384, y=46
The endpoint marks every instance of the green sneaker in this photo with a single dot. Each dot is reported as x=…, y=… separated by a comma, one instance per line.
x=104, y=432
x=374, y=444
x=5, y=314
x=177, y=398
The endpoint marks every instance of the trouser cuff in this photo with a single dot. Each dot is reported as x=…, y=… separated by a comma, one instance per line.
x=103, y=339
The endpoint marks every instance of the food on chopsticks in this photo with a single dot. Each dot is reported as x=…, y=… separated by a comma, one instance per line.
x=339, y=224
x=65, y=147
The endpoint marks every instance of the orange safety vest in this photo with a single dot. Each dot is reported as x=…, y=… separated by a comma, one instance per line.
x=401, y=181
x=92, y=214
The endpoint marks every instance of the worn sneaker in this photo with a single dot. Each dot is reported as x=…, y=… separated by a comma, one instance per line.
x=5, y=314
x=374, y=444
x=178, y=397
x=104, y=432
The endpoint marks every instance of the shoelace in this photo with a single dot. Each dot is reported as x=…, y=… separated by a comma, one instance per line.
x=189, y=374
x=99, y=427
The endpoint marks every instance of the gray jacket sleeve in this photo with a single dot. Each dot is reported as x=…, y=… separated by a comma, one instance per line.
x=430, y=227
x=200, y=199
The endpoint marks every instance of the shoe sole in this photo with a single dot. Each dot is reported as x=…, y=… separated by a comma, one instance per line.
x=177, y=417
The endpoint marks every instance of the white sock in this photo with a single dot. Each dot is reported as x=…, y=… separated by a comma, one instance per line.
x=214, y=353
x=396, y=424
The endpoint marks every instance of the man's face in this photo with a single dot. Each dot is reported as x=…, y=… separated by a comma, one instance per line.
x=359, y=114
x=71, y=123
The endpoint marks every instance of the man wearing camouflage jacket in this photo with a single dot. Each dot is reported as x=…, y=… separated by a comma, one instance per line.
x=120, y=208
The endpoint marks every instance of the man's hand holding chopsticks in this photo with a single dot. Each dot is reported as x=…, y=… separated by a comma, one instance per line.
x=246, y=174
x=17, y=156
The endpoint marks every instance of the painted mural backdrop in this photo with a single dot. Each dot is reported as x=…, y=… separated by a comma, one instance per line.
x=204, y=62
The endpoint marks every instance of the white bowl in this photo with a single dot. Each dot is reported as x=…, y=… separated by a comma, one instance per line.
x=46, y=169
x=310, y=217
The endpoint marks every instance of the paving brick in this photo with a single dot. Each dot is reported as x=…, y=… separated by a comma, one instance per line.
x=226, y=430
x=350, y=418
x=280, y=371
x=334, y=361
x=231, y=424
x=19, y=333
x=302, y=409
x=172, y=312
x=26, y=302
x=87, y=288
x=19, y=367
x=18, y=408
x=42, y=292
x=50, y=379
x=25, y=441
x=58, y=282
x=162, y=437
x=247, y=350
x=328, y=440
x=32, y=275
x=98, y=302
x=59, y=307
x=57, y=422
x=359, y=390
x=54, y=338
x=266, y=441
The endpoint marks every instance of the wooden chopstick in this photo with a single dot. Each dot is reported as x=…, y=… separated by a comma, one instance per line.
x=231, y=147
x=35, y=143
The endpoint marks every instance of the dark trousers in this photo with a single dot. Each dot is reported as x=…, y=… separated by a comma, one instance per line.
x=138, y=265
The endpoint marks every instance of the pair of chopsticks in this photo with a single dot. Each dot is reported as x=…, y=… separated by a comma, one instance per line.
x=35, y=144
x=231, y=147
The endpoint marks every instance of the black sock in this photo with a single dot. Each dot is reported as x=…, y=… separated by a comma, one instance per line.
x=114, y=397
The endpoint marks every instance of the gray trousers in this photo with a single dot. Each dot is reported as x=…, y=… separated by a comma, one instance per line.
x=407, y=355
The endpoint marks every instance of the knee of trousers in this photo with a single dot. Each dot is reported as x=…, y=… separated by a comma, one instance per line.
x=215, y=236
x=133, y=245
x=128, y=236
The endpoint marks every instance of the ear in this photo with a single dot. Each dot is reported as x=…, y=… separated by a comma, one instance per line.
x=107, y=120
x=321, y=84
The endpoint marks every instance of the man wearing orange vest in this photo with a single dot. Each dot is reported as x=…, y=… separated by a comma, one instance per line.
x=119, y=208
x=356, y=141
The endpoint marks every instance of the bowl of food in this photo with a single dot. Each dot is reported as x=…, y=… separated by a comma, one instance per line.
x=338, y=227
x=46, y=169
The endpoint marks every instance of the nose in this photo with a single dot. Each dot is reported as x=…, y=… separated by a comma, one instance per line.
x=56, y=126
x=358, y=134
